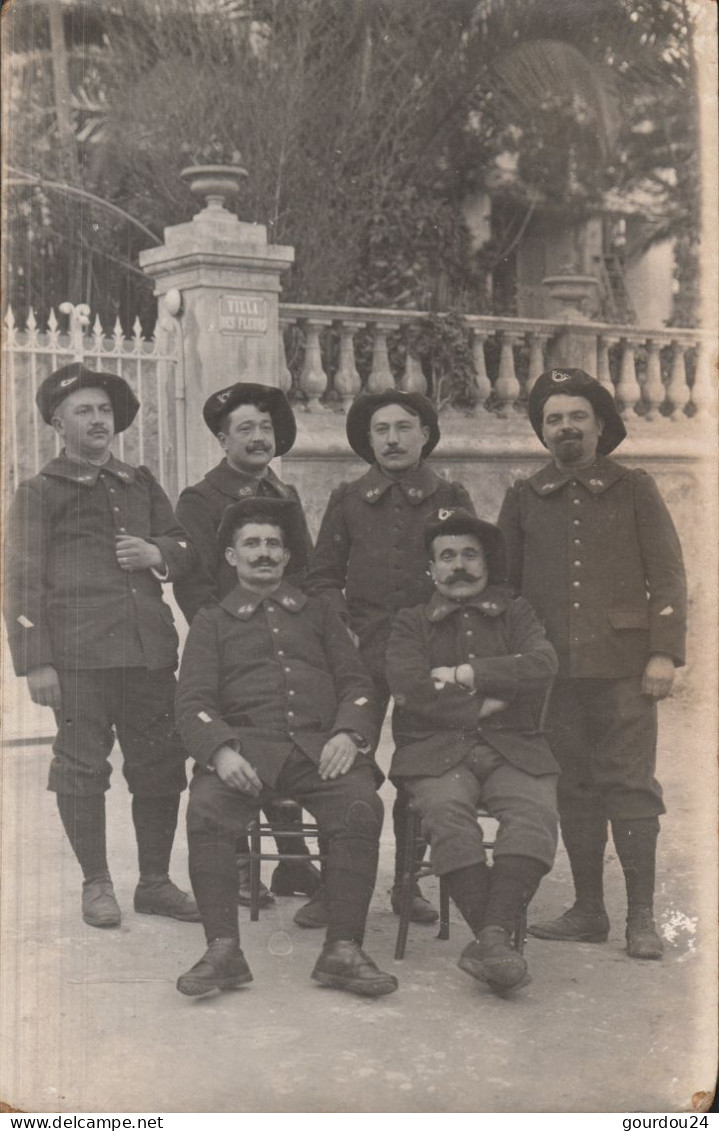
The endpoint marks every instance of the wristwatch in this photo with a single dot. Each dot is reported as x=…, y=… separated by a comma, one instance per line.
x=363, y=746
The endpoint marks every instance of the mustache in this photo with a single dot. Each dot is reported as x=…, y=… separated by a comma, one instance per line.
x=461, y=575
x=569, y=435
x=263, y=561
x=259, y=446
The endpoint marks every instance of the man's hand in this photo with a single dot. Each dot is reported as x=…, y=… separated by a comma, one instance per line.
x=338, y=756
x=491, y=707
x=135, y=553
x=442, y=676
x=44, y=687
x=235, y=771
x=658, y=676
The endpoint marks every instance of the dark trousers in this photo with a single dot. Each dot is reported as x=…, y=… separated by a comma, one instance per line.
x=524, y=804
x=137, y=705
x=603, y=733
x=348, y=814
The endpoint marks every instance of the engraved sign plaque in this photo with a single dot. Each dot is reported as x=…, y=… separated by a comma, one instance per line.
x=242, y=314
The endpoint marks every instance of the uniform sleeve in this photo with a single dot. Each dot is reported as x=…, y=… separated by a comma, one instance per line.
x=27, y=538
x=510, y=523
x=529, y=669
x=327, y=574
x=166, y=533
x=408, y=675
x=198, y=717
x=304, y=535
x=664, y=569
x=198, y=589
x=357, y=705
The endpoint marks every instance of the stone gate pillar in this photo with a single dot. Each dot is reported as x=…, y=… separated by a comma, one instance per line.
x=228, y=279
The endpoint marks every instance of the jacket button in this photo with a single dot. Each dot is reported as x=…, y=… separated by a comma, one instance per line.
x=275, y=630
x=576, y=584
x=576, y=522
x=290, y=692
x=576, y=605
x=471, y=656
x=281, y=653
x=577, y=563
x=576, y=502
x=291, y=714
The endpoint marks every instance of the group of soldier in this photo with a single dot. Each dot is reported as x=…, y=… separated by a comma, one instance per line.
x=525, y=661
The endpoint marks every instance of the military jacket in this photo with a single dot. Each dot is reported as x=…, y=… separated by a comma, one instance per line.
x=596, y=554
x=264, y=674
x=67, y=602
x=511, y=659
x=200, y=509
x=371, y=546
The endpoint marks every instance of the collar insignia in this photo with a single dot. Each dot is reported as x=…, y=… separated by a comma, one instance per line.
x=444, y=514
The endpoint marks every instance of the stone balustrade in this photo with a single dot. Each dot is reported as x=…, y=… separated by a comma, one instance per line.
x=328, y=354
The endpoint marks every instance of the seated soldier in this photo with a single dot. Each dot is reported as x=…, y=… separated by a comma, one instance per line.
x=468, y=672
x=273, y=698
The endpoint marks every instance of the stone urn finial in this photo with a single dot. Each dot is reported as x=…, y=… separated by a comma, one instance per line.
x=214, y=183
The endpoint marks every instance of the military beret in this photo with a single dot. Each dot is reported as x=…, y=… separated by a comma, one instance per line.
x=245, y=392
x=458, y=520
x=366, y=404
x=280, y=512
x=70, y=378
x=577, y=383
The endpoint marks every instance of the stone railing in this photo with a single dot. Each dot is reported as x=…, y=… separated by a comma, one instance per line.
x=335, y=352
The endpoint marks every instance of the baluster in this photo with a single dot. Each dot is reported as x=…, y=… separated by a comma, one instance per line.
x=507, y=386
x=284, y=377
x=79, y=319
x=482, y=382
x=678, y=390
x=313, y=379
x=604, y=373
x=628, y=388
x=347, y=380
x=413, y=379
x=702, y=395
x=653, y=389
x=536, y=358
x=381, y=377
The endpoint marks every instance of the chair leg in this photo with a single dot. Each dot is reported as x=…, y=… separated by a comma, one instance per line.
x=255, y=865
x=443, y=910
x=405, y=892
x=520, y=933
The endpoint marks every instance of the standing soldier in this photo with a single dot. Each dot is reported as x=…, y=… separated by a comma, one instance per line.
x=253, y=423
x=89, y=541
x=592, y=547
x=371, y=545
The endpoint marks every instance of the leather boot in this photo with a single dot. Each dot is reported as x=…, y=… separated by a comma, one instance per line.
x=157, y=895
x=222, y=967
x=492, y=958
x=636, y=845
x=99, y=906
x=343, y=965
x=585, y=840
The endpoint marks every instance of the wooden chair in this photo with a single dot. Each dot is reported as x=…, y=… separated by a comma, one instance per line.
x=259, y=829
x=411, y=875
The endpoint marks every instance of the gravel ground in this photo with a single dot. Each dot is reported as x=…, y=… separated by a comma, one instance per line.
x=91, y=1020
